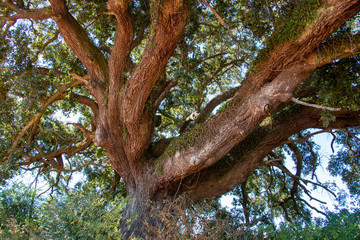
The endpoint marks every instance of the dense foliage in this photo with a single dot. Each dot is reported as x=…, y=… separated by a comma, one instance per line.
x=87, y=213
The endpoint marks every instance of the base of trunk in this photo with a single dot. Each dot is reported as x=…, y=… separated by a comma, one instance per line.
x=141, y=218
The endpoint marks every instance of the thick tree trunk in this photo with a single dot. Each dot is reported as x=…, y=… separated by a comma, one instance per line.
x=137, y=218
x=143, y=215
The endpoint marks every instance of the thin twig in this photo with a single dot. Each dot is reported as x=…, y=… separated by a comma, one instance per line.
x=216, y=15
x=314, y=105
x=313, y=208
x=272, y=160
x=305, y=139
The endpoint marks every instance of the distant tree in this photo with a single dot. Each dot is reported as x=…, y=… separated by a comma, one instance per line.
x=85, y=212
x=179, y=97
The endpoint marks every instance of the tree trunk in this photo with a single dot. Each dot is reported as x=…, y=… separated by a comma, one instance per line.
x=137, y=218
x=143, y=215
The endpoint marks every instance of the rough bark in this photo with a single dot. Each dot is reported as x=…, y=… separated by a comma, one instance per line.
x=275, y=81
x=249, y=154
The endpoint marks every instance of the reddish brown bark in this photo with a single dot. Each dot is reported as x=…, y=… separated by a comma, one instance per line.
x=250, y=153
x=260, y=94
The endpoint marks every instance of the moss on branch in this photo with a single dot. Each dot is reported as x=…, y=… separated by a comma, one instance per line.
x=180, y=143
x=289, y=27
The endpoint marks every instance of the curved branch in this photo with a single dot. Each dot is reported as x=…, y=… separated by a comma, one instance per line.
x=249, y=154
x=202, y=116
x=69, y=151
x=313, y=208
x=80, y=167
x=85, y=80
x=164, y=93
x=213, y=56
x=82, y=129
x=36, y=119
x=53, y=39
x=299, y=164
x=66, y=170
x=88, y=102
x=297, y=178
x=307, y=137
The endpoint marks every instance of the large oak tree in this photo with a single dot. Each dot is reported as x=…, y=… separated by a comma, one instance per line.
x=180, y=97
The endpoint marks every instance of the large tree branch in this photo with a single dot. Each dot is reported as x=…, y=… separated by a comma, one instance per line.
x=249, y=154
x=335, y=48
x=119, y=54
x=168, y=24
x=77, y=39
x=218, y=135
x=330, y=16
x=274, y=82
x=36, y=14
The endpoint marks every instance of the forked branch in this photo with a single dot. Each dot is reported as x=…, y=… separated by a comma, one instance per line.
x=297, y=178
